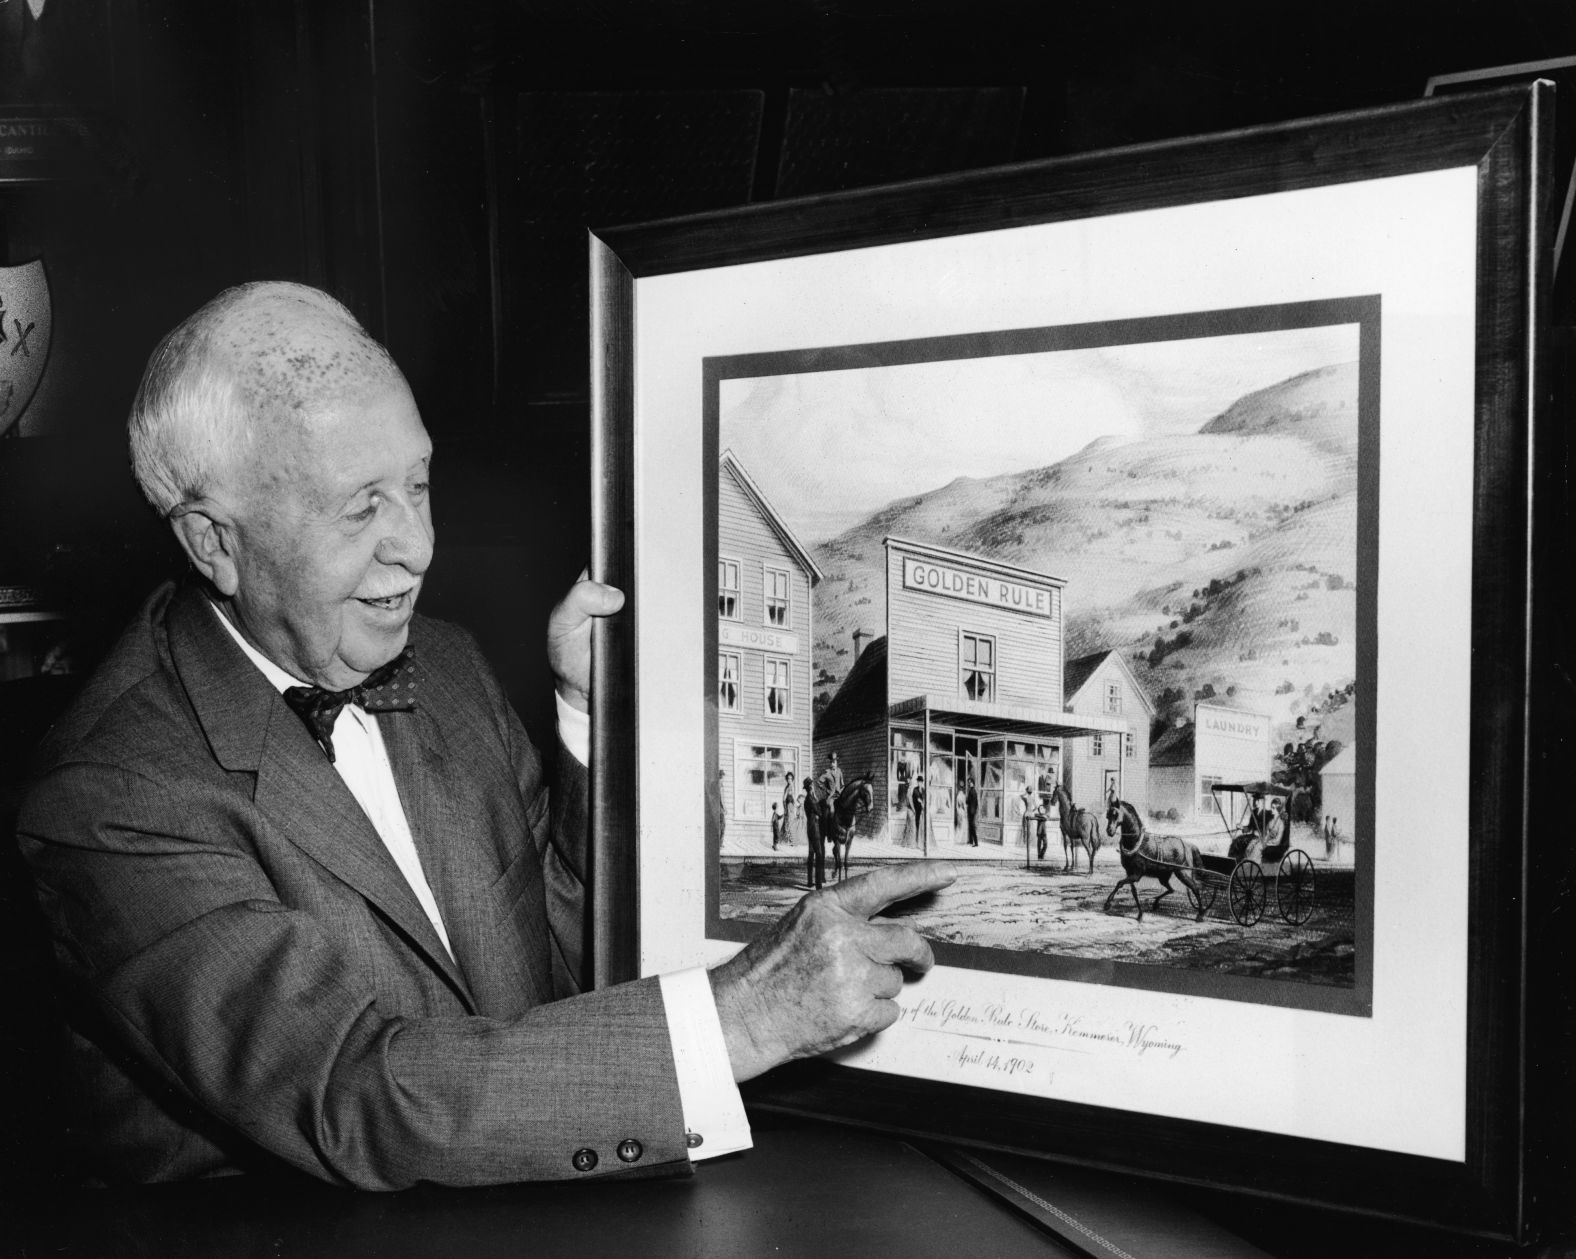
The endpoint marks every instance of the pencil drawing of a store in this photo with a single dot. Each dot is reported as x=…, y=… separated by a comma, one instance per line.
x=963, y=695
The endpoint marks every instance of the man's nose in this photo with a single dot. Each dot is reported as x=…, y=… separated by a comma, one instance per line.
x=408, y=542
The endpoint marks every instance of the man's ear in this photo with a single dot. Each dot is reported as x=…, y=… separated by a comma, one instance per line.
x=208, y=538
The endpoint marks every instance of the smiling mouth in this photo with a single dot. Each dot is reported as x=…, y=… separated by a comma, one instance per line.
x=389, y=603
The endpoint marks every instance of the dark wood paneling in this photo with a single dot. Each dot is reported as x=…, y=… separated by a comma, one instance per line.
x=850, y=139
x=580, y=160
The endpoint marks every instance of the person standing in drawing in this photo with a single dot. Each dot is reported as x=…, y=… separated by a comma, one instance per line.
x=971, y=801
x=815, y=860
x=1026, y=801
x=906, y=839
x=1034, y=807
x=790, y=811
x=917, y=797
x=1046, y=786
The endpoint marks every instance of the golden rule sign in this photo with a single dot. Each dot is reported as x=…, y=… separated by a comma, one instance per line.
x=943, y=579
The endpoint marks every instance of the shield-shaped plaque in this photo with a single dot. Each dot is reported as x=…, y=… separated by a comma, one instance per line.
x=25, y=325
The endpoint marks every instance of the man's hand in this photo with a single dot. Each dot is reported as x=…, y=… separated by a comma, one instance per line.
x=824, y=975
x=569, y=636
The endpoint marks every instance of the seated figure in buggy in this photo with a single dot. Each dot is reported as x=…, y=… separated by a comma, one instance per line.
x=1262, y=827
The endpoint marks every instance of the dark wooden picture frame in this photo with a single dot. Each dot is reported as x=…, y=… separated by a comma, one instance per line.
x=1501, y=1185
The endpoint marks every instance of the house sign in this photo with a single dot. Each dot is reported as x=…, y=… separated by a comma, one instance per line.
x=758, y=637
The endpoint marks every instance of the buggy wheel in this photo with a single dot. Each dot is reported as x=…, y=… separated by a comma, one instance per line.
x=1246, y=892
x=1294, y=887
x=1204, y=896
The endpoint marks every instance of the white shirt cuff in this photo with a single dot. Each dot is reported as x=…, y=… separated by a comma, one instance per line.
x=574, y=728
x=714, y=1119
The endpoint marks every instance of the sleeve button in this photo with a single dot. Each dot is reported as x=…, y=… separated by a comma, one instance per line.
x=629, y=1150
x=584, y=1160
x=693, y=1140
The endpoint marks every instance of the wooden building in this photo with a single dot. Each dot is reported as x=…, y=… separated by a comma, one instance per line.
x=764, y=580
x=1100, y=766
x=965, y=686
x=1219, y=745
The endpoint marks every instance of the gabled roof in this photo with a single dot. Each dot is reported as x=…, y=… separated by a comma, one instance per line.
x=1078, y=672
x=862, y=698
x=1174, y=747
x=778, y=525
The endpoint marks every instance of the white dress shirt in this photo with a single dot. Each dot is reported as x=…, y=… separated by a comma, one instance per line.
x=713, y=1109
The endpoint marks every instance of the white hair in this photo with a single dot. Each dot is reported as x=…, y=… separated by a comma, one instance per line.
x=194, y=417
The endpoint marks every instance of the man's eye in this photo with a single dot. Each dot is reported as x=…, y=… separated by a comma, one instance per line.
x=365, y=514
x=419, y=489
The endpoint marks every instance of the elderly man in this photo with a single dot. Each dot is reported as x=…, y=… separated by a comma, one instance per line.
x=311, y=897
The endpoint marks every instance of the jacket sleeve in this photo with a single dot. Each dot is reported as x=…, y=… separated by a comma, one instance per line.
x=288, y=1028
x=563, y=845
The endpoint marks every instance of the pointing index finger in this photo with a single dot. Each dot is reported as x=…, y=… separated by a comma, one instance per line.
x=872, y=892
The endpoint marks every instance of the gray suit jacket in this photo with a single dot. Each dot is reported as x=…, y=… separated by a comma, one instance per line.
x=251, y=976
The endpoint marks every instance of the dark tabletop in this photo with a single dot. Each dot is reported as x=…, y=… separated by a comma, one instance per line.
x=806, y=1189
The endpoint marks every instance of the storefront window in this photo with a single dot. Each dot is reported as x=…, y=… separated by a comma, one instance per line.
x=905, y=766
x=942, y=782
x=1018, y=792
x=990, y=800
x=967, y=768
x=761, y=771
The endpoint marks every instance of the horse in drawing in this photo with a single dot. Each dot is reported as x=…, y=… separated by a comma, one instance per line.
x=837, y=817
x=1080, y=829
x=1151, y=856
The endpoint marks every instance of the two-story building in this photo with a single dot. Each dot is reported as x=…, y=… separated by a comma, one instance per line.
x=764, y=580
x=1098, y=767
x=964, y=693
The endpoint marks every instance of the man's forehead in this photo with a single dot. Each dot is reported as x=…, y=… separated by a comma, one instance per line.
x=317, y=462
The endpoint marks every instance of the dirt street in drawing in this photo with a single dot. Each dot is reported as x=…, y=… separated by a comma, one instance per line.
x=1044, y=910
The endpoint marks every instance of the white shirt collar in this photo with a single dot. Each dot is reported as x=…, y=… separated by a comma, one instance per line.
x=280, y=680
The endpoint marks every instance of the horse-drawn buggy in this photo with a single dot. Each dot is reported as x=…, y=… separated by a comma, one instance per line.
x=1260, y=864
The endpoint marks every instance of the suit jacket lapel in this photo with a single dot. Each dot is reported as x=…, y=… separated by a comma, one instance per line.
x=250, y=729
x=462, y=868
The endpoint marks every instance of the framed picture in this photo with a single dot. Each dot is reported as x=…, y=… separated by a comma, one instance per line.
x=1158, y=536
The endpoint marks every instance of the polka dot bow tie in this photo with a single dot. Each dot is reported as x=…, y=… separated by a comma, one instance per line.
x=391, y=688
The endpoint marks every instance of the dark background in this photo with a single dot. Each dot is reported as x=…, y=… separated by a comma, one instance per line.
x=435, y=165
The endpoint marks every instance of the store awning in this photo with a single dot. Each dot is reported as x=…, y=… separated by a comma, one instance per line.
x=1040, y=723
